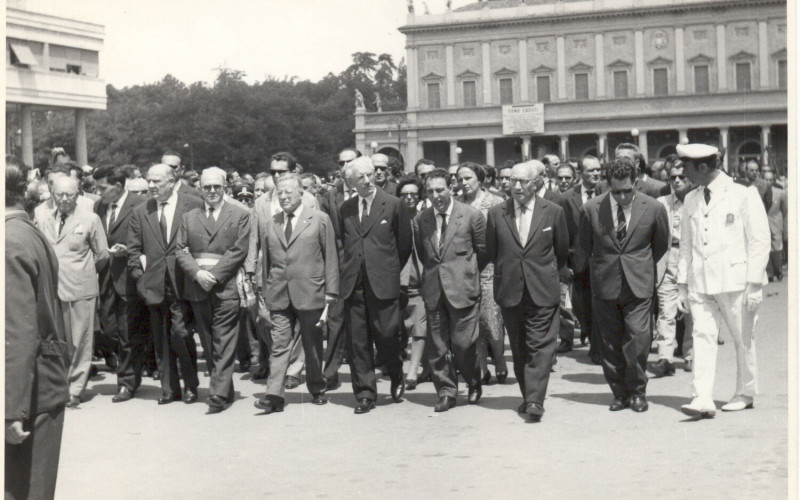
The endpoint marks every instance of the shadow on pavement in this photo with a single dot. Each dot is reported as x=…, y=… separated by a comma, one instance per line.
x=592, y=398
x=585, y=378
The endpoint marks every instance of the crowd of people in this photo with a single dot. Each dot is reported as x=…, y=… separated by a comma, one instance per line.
x=289, y=276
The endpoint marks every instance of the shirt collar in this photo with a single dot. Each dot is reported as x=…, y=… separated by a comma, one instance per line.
x=369, y=198
x=584, y=189
x=172, y=198
x=216, y=209
x=528, y=206
x=121, y=200
x=295, y=214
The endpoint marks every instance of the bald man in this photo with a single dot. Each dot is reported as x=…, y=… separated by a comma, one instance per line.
x=528, y=242
x=79, y=241
x=212, y=244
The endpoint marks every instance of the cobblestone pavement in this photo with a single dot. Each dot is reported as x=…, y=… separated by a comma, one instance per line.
x=140, y=450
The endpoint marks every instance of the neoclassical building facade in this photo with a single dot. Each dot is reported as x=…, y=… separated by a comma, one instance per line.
x=602, y=72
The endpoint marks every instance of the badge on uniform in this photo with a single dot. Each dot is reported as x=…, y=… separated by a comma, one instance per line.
x=729, y=220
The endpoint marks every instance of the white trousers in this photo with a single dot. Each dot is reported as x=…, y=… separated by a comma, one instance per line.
x=710, y=313
x=668, y=314
x=79, y=325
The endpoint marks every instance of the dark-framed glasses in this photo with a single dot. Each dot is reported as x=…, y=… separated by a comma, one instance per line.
x=212, y=187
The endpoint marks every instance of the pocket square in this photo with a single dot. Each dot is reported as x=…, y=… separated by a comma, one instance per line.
x=384, y=221
x=548, y=228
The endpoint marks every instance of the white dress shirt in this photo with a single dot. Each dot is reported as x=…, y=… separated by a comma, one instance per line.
x=585, y=195
x=118, y=204
x=523, y=218
x=215, y=214
x=295, y=218
x=169, y=209
x=369, y=199
x=438, y=217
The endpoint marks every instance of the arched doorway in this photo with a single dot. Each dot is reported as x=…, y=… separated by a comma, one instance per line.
x=392, y=152
x=748, y=150
x=666, y=150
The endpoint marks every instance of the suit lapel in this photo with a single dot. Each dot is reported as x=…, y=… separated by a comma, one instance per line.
x=637, y=210
x=224, y=215
x=607, y=220
x=429, y=219
x=122, y=212
x=69, y=225
x=375, y=211
x=510, y=218
x=537, y=217
x=277, y=227
x=152, y=219
x=715, y=197
x=452, y=226
x=301, y=225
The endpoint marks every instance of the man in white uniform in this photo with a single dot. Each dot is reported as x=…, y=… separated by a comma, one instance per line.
x=724, y=250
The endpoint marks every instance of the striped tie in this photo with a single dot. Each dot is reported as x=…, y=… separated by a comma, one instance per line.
x=620, y=223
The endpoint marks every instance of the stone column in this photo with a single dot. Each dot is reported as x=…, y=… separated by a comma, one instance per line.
x=412, y=78
x=765, y=139
x=564, y=149
x=450, y=77
x=26, y=120
x=490, y=152
x=526, y=148
x=523, y=71
x=639, y=61
x=412, y=151
x=81, y=154
x=680, y=62
x=600, y=65
x=561, y=69
x=723, y=143
x=643, y=144
x=487, y=77
x=453, y=152
x=683, y=136
x=722, y=59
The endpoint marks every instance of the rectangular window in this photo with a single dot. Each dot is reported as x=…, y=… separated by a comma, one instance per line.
x=581, y=86
x=506, y=91
x=469, y=94
x=660, y=81
x=782, y=74
x=543, y=88
x=21, y=55
x=743, y=76
x=434, y=99
x=701, y=80
x=620, y=84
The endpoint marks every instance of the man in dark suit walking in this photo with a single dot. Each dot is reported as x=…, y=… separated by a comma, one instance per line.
x=212, y=243
x=527, y=240
x=36, y=350
x=122, y=312
x=450, y=239
x=622, y=235
x=574, y=198
x=301, y=276
x=375, y=230
x=151, y=260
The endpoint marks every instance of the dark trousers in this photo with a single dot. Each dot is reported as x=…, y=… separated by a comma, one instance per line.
x=129, y=316
x=775, y=264
x=456, y=331
x=624, y=325
x=32, y=466
x=336, y=345
x=364, y=314
x=172, y=340
x=582, y=307
x=284, y=330
x=218, y=321
x=532, y=332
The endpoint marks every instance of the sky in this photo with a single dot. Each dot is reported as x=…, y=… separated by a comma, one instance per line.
x=190, y=39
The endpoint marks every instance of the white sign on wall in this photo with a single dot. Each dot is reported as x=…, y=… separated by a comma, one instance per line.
x=524, y=119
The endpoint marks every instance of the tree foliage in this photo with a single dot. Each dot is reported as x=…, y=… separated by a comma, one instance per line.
x=229, y=123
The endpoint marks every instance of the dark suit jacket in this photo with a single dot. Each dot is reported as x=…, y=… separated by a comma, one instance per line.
x=533, y=265
x=390, y=188
x=764, y=190
x=118, y=233
x=456, y=271
x=36, y=350
x=145, y=239
x=646, y=241
x=573, y=201
x=228, y=238
x=652, y=187
x=382, y=246
x=301, y=271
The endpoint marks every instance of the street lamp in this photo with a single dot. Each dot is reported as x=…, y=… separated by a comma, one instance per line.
x=374, y=146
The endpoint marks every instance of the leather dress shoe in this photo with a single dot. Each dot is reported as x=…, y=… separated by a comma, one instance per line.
x=639, y=404
x=563, y=347
x=487, y=377
x=521, y=408
x=444, y=404
x=73, y=402
x=189, y=396
x=364, y=406
x=619, y=404
x=663, y=368
x=398, y=389
x=259, y=372
x=411, y=384
x=215, y=404
x=475, y=393
x=244, y=366
x=319, y=399
x=270, y=404
x=112, y=361
x=501, y=377
x=688, y=365
x=534, y=411
x=122, y=395
x=697, y=409
x=166, y=399
x=738, y=403
x=291, y=383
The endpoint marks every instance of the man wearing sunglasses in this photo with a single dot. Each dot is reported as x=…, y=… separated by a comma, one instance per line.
x=668, y=288
x=173, y=160
x=622, y=235
x=644, y=183
x=212, y=244
x=381, y=163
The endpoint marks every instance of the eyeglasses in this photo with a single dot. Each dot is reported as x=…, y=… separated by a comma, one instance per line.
x=380, y=167
x=676, y=177
x=409, y=194
x=622, y=191
x=212, y=187
x=143, y=191
x=342, y=163
x=564, y=177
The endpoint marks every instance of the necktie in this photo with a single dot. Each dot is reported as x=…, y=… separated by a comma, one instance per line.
x=522, y=229
x=287, y=230
x=442, y=232
x=364, y=210
x=620, y=223
x=61, y=223
x=589, y=194
x=707, y=195
x=113, y=215
x=210, y=215
x=162, y=221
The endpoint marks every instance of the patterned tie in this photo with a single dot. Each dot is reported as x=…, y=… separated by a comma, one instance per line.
x=61, y=223
x=707, y=195
x=162, y=221
x=287, y=230
x=620, y=223
x=364, y=210
x=113, y=215
x=442, y=232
